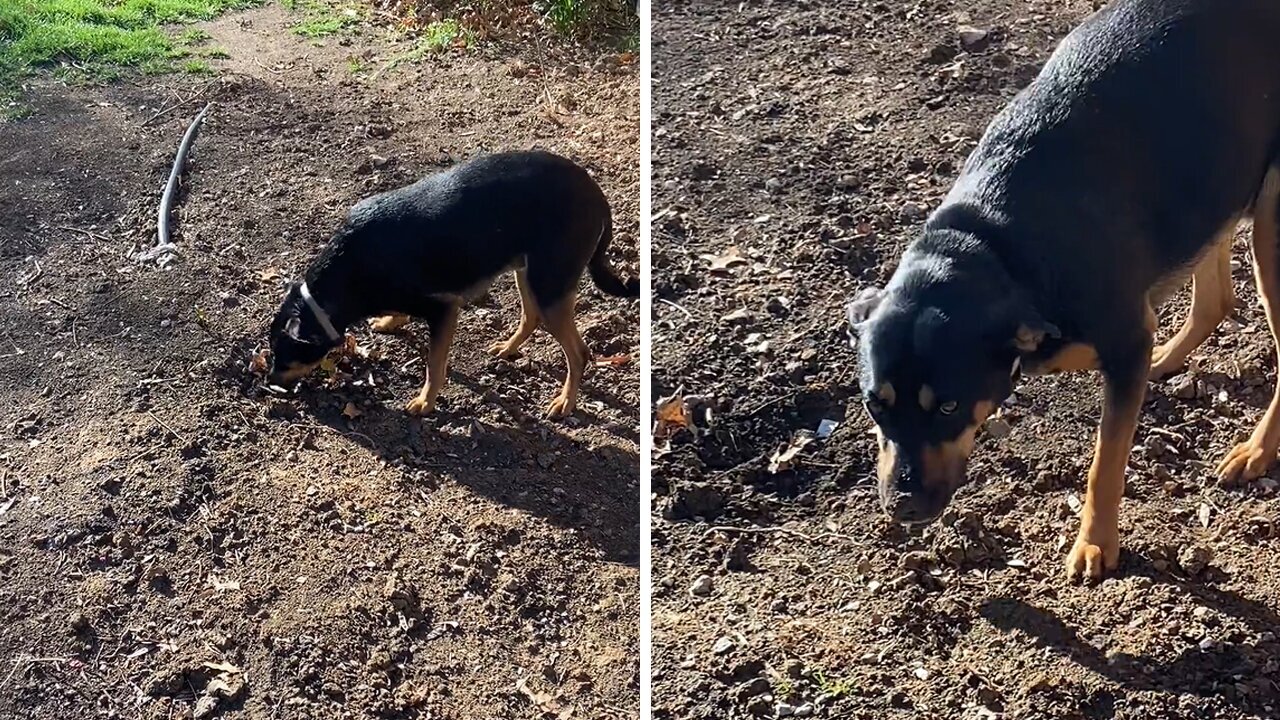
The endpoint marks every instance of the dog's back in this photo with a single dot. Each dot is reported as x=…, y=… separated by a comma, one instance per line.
x=1155, y=120
x=477, y=219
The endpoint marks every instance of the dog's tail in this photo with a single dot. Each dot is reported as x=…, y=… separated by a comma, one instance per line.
x=603, y=274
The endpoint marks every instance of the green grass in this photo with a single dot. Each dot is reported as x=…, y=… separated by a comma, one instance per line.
x=577, y=17
x=98, y=37
x=442, y=34
x=323, y=18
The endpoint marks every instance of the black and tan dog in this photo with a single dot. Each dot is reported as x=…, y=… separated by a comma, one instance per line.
x=1152, y=130
x=426, y=249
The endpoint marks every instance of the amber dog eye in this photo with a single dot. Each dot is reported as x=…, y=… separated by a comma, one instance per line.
x=947, y=407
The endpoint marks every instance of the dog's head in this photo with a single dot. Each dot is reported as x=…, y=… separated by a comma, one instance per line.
x=937, y=357
x=298, y=341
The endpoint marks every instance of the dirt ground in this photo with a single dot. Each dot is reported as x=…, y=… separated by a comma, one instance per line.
x=175, y=540
x=814, y=138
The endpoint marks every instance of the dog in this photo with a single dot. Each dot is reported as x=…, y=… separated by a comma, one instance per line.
x=424, y=250
x=1125, y=165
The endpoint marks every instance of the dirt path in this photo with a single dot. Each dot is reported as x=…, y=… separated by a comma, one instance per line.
x=174, y=540
x=814, y=139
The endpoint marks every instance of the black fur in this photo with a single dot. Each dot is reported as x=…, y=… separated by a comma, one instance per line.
x=1148, y=130
x=418, y=249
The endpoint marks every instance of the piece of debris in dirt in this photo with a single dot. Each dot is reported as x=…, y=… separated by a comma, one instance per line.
x=784, y=457
x=673, y=414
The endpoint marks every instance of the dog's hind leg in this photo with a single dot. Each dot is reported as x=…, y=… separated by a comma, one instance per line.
x=442, y=324
x=1097, y=546
x=388, y=323
x=1212, y=299
x=559, y=321
x=529, y=318
x=1248, y=460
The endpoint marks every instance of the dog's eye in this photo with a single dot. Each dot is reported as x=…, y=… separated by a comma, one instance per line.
x=947, y=408
x=873, y=405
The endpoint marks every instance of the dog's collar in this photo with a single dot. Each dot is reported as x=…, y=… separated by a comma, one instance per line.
x=322, y=317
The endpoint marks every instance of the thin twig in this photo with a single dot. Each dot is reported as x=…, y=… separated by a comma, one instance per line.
x=162, y=424
x=82, y=231
x=179, y=103
x=768, y=403
x=780, y=530
x=676, y=306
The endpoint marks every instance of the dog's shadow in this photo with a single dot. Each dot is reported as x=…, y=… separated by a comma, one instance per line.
x=534, y=465
x=1213, y=670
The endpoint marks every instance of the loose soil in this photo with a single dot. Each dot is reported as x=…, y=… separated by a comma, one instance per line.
x=814, y=138
x=178, y=541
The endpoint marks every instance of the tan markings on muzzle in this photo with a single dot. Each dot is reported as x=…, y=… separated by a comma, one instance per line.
x=886, y=394
x=927, y=398
x=942, y=465
x=886, y=458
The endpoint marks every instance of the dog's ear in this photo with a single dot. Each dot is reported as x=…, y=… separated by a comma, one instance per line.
x=857, y=310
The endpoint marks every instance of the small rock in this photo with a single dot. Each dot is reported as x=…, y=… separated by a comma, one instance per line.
x=205, y=707
x=1183, y=386
x=974, y=39
x=723, y=646
x=1195, y=559
x=1208, y=644
x=998, y=428
x=921, y=673
x=916, y=560
x=804, y=710
x=701, y=586
x=79, y=622
x=783, y=710
x=911, y=212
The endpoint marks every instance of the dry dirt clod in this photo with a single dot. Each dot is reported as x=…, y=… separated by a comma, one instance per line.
x=1195, y=559
x=974, y=39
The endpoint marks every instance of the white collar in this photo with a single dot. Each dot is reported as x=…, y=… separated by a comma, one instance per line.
x=321, y=316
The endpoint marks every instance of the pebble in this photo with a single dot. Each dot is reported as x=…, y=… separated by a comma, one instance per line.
x=702, y=586
x=1195, y=559
x=998, y=428
x=911, y=212
x=804, y=710
x=784, y=710
x=722, y=646
x=974, y=39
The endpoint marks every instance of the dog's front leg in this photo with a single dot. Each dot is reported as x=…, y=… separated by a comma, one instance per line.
x=441, y=326
x=1097, y=547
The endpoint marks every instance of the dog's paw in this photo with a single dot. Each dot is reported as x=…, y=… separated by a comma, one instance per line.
x=1246, y=462
x=1165, y=361
x=1094, y=552
x=560, y=407
x=388, y=323
x=420, y=405
x=504, y=350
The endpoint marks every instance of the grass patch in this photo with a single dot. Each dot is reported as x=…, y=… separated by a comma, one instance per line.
x=324, y=18
x=443, y=34
x=98, y=36
x=197, y=67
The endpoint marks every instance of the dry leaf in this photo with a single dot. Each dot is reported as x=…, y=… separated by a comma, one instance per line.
x=351, y=412
x=269, y=275
x=612, y=360
x=225, y=667
x=1205, y=513
x=259, y=363
x=672, y=415
x=783, y=457
x=723, y=263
